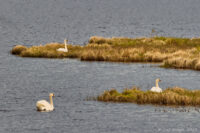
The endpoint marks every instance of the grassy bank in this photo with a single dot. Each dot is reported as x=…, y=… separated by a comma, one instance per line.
x=169, y=97
x=171, y=52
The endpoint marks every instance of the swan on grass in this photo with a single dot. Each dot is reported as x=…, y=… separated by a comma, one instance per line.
x=156, y=88
x=63, y=49
x=44, y=106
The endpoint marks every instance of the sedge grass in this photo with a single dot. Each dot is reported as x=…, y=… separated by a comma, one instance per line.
x=175, y=96
x=171, y=52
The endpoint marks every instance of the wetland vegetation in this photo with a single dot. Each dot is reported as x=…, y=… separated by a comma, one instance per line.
x=171, y=52
x=174, y=96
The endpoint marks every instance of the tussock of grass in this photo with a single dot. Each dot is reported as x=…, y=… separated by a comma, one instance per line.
x=171, y=52
x=170, y=97
x=18, y=49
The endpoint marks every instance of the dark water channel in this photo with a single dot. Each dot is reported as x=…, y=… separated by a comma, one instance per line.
x=23, y=81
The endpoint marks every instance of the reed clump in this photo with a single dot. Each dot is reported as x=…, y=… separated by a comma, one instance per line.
x=171, y=52
x=175, y=96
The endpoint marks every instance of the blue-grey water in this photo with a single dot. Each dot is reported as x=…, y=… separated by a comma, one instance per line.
x=23, y=81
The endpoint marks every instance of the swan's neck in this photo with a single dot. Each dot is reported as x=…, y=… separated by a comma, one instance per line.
x=157, y=84
x=51, y=100
x=65, y=44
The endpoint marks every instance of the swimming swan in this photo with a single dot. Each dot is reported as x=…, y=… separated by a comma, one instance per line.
x=44, y=106
x=157, y=88
x=63, y=49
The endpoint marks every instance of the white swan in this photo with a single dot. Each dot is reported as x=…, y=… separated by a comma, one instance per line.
x=157, y=88
x=63, y=49
x=44, y=106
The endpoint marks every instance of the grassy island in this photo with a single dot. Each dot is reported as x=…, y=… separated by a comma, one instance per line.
x=169, y=97
x=171, y=52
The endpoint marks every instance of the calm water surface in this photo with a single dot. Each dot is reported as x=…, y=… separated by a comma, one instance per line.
x=23, y=81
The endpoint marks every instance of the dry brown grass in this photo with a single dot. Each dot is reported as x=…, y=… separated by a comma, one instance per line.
x=171, y=52
x=175, y=96
x=18, y=49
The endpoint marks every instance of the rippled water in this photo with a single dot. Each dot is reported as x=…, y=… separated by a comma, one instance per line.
x=23, y=81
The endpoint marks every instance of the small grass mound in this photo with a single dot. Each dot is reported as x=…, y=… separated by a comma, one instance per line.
x=18, y=49
x=169, y=97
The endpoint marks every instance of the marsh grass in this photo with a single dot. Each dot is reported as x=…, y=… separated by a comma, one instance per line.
x=171, y=52
x=175, y=96
x=45, y=51
x=18, y=49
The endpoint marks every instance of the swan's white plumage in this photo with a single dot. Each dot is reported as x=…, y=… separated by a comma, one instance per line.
x=156, y=88
x=44, y=106
x=63, y=49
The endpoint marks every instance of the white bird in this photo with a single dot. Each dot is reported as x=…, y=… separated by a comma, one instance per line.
x=157, y=88
x=63, y=49
x=44, y=106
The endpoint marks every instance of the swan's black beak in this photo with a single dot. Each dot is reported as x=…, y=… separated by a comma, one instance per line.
x=160, y=80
